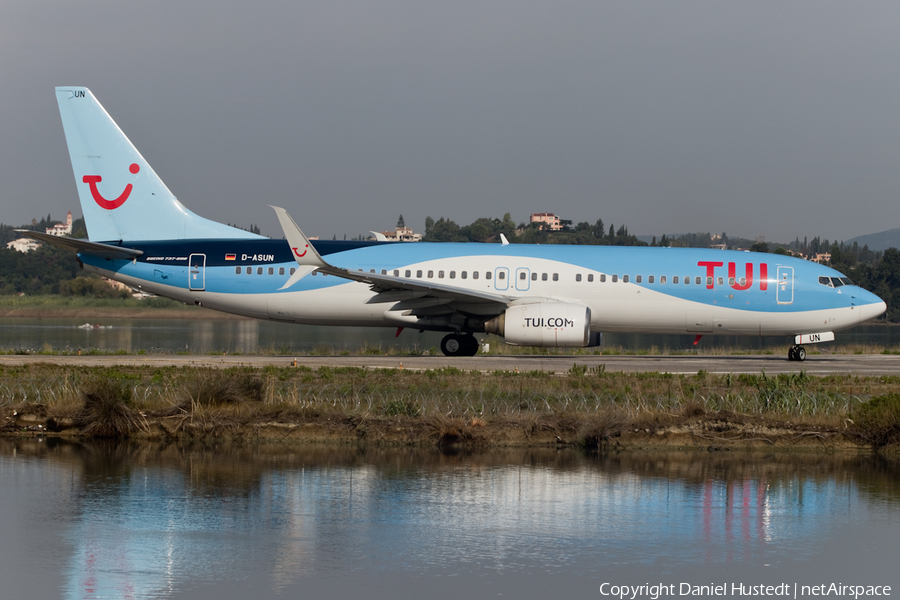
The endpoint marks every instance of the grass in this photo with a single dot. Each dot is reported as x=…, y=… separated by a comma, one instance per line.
x=585, y=407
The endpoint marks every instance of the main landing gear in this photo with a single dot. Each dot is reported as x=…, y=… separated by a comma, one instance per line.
x=457, y=344
x=797, y=353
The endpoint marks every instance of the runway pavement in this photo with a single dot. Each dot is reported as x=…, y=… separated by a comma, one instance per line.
x=822, y=364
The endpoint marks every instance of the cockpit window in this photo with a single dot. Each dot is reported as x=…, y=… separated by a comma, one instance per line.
x=825, y=281
x=847, y=281
x=836, y=282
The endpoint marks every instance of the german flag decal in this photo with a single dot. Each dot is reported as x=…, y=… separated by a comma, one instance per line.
x=230, y=256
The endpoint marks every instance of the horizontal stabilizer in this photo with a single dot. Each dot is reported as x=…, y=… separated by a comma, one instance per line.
x=83, y=246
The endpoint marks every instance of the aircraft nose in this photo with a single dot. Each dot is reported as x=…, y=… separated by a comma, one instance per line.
x=872, y=307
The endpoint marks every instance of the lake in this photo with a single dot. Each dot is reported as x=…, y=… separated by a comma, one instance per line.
x=200, y=336
x=150, y=520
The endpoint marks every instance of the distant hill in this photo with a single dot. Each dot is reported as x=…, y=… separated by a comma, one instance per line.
x=878, y=241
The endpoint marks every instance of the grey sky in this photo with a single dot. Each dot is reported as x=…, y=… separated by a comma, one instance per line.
x=777, y=119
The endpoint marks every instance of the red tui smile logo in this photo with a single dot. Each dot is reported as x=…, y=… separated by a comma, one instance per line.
x=102, y=202
x=305, y=250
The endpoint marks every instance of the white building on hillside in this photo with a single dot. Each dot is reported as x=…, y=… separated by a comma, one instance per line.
x=23, y=245
x=400, y=234
x=61, y=229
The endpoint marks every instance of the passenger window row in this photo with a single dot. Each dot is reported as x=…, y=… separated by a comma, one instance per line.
x=259, y=270
x=523, y=276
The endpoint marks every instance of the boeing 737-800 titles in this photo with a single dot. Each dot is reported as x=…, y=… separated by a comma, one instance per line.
x=532, y=295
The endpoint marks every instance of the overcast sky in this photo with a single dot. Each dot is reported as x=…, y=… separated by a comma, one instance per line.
x=776, y=119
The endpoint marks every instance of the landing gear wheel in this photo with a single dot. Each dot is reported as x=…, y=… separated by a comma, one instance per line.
x=459, y=345
x=797, y=353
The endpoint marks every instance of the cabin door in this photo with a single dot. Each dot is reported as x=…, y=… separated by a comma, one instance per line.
x=197, y=272
x=784, y=293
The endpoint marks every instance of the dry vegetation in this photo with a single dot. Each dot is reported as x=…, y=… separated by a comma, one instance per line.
x=447, y=407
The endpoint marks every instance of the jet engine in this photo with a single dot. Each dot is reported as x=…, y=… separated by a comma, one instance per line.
x=544, y=324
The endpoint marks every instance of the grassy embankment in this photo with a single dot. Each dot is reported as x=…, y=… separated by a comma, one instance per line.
x=448, y=407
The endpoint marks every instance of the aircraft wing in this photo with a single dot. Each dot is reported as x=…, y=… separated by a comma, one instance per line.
x=414, y=292
x=83, y=246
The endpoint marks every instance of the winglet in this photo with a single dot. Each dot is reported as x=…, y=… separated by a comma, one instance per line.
x=503, y=240
x=304, y=252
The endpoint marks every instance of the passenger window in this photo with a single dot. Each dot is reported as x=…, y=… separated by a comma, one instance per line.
x=281, y=270
x=294, y=270
x=556, y=277
x=396, y=273
x=578, y=277
x=408, y=273
x=259, y=270
x=440, y=274
x=452, y=274
x=662, y=279
x=697, y=280
x=675, y=279
x=687, y=280
x=637, y=278
x=709, y=281
x=624, y=278
x=487, y=275
x=602, y=277
x=590, y=277
x=743, y=281
x=419, y=273
x=650, y=279
x=371, y=270
x=534, y=276
x=249, y=270
x=615, y=278
x=430, y=274
x=543, y=277
x=731, y=281
x=721, y=281
x=384, y=271
x=501, y=275
x=523, y=276
x=271, y=270
x=464, y=274
x=237, y=270
x=474, y=274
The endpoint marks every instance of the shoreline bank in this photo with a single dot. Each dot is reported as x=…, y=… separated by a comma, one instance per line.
x=451, y=408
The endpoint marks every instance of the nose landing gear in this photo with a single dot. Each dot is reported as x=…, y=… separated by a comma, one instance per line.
x=797, y=353
x=459, y=345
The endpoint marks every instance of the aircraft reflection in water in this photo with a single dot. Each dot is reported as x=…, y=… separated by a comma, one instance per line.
x=143, y=530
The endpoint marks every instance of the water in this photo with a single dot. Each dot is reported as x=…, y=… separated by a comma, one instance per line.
x=156, y=521
x=249, y=336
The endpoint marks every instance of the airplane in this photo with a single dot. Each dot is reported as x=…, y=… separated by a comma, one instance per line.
x=531, y=295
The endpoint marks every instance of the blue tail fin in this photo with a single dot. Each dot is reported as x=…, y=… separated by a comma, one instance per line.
x=121, y=196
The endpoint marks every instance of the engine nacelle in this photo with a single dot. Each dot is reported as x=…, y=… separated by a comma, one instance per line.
x=544, y=324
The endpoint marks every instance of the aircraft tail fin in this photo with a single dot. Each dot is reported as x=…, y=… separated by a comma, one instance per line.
x=122, y=198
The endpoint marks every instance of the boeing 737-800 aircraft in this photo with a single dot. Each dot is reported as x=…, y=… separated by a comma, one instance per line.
x=532, y=295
